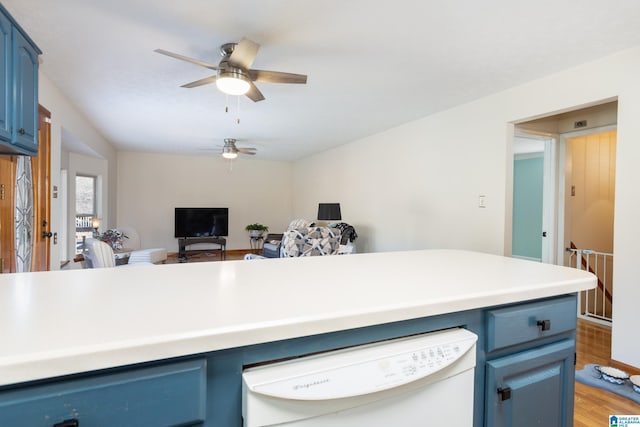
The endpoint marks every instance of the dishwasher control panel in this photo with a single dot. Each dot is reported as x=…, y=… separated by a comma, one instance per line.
x=364, y=369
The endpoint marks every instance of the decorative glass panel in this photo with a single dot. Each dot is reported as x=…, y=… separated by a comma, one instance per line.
x=24, y=214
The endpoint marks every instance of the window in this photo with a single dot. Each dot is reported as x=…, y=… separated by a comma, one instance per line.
x=86, y=208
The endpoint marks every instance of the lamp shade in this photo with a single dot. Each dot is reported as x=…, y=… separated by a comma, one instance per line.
x=233, y=82
x=95, y=223
x=329, y=211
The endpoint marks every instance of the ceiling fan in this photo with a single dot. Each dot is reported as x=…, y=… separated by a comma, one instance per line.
x=234, y=73
x=230, y=151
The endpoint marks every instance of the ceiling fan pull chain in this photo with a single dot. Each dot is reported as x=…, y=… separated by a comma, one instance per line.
x=238, y=119
x=226, y=103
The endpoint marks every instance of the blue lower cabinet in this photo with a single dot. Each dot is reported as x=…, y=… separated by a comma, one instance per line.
x=168, y=395
x=526, y=379
x=532, y=387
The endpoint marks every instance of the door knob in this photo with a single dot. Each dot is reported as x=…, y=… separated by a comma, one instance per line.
x=47, y=234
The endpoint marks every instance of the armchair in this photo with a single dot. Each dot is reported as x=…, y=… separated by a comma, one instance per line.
x=138, y=255
x=98, y=254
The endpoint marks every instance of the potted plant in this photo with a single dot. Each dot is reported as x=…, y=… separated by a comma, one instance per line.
x=256, y=230
x=113, y=238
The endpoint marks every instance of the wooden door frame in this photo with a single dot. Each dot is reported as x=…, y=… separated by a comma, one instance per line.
x=41, y=165
x=7, y=214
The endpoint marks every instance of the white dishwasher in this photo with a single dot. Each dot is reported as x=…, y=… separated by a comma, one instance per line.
x=421, y=380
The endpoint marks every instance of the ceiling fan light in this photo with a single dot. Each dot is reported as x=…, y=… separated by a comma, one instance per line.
x=229, y=150
x=232, y=82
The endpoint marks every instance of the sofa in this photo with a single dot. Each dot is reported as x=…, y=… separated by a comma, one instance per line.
x=304, y=238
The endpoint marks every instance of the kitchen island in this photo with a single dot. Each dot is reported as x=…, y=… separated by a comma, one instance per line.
x=191, y=328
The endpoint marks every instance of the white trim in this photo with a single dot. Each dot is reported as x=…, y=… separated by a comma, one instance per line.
x=549, y=201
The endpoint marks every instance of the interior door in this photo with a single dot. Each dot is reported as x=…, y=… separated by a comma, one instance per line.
x=534, y=197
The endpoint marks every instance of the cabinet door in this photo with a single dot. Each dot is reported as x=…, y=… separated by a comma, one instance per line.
x=532, y=388
x=25, y=112
x=6, y=93
x=166, y=395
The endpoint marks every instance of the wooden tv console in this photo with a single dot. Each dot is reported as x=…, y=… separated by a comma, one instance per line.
x=184, y=242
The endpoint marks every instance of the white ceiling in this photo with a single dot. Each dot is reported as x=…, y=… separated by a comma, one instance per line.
x=372, y=65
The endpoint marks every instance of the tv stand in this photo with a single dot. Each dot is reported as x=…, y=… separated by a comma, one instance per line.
x=186, y=241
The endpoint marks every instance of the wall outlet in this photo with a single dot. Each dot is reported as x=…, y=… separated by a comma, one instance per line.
x=482, y=201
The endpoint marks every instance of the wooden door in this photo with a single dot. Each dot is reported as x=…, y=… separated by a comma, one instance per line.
x=41, y=166
x=7, y=214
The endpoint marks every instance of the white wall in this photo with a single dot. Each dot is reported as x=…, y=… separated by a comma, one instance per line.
x=68, y=120
x=417, y=185
x=152, y=185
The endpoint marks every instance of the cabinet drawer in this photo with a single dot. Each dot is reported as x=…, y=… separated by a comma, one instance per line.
x=167, y=395
x=527, y=322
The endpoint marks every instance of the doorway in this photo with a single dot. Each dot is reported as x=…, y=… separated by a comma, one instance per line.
x=574, y=217
x=534, y=197
x=589, y=214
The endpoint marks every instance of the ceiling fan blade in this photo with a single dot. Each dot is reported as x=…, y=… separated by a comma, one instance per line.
x=244, y=53
x=277, y=77
x=185, y=58
x=205, y=81
x=254, y=93
x=247, y=150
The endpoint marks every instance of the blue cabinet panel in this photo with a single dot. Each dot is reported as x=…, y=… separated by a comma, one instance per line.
x=6, y=86
x=515, y=325
x=18, y=89
x=168, y=395
x=532, y=388
x=25, y=101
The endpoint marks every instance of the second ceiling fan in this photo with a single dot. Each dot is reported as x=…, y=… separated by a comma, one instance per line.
x=234, y=73
x=230, y=151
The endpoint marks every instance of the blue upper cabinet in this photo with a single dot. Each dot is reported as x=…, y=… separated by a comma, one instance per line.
x=6, y=88
x=25, y=90
x=18, y=89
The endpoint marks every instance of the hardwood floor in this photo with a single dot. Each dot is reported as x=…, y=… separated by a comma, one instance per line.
x=594, y=405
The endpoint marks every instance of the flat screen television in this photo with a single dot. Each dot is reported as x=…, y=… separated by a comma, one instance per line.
x=201, y=222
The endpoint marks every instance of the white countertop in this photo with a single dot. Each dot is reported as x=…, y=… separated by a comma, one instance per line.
x=64, y=322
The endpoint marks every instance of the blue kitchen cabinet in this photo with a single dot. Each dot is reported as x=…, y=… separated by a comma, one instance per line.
x=18, y=89
x=524, y=375
x=532, y=388
x=6, y=86
x=530, y=372
x=172, y=394
x=25, y=102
